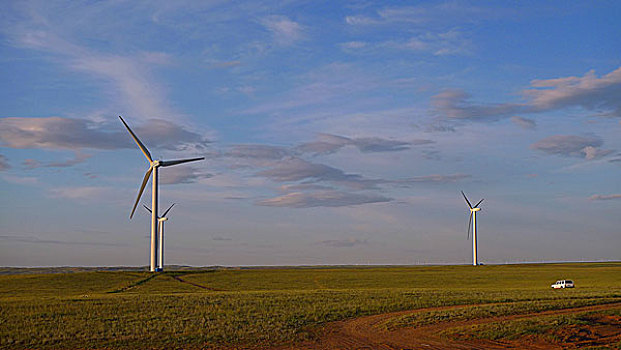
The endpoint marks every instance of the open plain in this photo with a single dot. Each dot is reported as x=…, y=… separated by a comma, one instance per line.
x=441, y=307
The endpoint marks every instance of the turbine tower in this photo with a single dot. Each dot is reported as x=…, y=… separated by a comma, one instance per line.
x=473, y=222
x=153, y=167
x=160, y=221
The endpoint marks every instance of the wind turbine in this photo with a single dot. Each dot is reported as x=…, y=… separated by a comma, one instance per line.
x=160, y=220
x=473, y=222
x=153, y=167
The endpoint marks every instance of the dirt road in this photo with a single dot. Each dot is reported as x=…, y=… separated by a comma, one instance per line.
x=366, y=333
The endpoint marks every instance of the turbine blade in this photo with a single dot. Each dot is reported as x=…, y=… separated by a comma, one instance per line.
x=166, y=163
x=142, y=147
x=467, y=201
x=469, y=225
x=477, y=205
x=147, y=208
x=179, y=161
x=167, y=210
x=144, y=183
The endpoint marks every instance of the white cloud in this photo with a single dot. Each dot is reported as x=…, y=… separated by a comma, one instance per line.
x=284, y=30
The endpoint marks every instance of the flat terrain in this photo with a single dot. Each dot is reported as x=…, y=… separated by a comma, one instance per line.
x=431, y=307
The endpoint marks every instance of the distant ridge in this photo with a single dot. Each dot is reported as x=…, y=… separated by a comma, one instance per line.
x=187, y=268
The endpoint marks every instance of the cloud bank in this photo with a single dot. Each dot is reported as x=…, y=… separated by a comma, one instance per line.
x=601, y=95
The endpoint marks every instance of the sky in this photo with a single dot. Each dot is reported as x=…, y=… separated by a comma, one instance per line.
x=333, y=132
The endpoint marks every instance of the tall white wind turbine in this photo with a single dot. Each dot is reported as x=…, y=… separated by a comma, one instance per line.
x=153, y=167
x=160, y=221
x=473, y=222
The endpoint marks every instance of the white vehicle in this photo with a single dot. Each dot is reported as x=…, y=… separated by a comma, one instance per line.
x=563, y=284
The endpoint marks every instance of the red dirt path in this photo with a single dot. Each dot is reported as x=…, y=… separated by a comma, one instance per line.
x=365, y=333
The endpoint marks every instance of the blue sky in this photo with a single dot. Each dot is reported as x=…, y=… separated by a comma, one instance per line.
x=334, y=133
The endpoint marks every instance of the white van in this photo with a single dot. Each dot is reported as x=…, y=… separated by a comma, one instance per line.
x=563, y=284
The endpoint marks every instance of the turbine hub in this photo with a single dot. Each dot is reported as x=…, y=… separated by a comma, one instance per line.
x=155, y=163
x=163, y=219
x=475, y=209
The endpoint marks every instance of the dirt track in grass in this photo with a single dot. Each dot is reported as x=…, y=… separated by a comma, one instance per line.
x=368, y=333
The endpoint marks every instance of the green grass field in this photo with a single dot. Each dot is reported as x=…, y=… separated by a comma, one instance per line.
x=262, y=307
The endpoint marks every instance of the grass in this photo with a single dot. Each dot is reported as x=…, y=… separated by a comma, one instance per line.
x=122, y=310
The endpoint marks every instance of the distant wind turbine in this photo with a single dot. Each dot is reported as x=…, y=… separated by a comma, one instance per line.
x=473, y=222
x=153, y=166
x=160, y=220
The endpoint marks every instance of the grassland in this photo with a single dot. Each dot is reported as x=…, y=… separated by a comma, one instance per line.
x=264, y=307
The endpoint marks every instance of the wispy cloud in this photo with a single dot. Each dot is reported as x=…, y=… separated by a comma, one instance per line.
x=604, y=197
x=37, y=240
x=257, y=151
x=587, y=147
x=78, y=158
x=182, y=174
x=454, y=104
x=436, y=178
x=344, y=243
x=328, y=198
x=84, y=192
x=284, y=30
x=21, y=180
x=523, y=123
x=76, y=134
x=448, y=43
x=4, y=163
x=448, y=13
x=129, y=77
x=328, y=143
x=297, y=169
x=219, y=238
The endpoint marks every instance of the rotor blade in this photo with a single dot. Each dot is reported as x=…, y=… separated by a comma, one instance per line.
x=142, y=147
x=144, y=183
x=469, y=225
x=477, y=205
x=179, y=161
x=467, y=201
x=167, y=210
x=147, y=208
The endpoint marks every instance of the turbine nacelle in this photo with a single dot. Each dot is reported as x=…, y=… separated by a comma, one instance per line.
x=475, y=209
